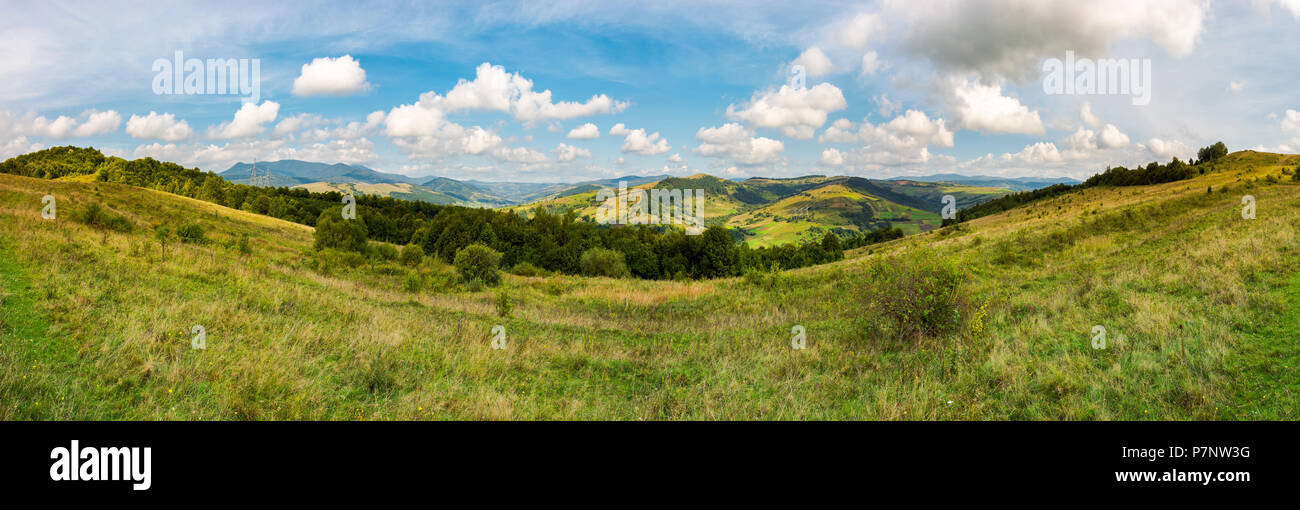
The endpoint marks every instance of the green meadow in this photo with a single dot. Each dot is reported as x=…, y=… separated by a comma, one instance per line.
x=1199, y=308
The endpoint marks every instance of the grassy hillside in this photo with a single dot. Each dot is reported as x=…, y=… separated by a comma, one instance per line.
x=1200, y=308
x=773, y=212
x=810, y=214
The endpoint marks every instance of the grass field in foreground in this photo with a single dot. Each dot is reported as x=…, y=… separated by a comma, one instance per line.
x=1199, y=307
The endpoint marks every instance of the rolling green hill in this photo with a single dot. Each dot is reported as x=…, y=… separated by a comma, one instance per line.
x=1198, y=304
x=772, y=212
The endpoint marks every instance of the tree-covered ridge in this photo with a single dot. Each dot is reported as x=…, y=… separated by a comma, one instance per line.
x=554, y=242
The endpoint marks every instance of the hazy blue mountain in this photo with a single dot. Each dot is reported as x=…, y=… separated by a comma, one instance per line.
x=446, y=184
x=292, y=171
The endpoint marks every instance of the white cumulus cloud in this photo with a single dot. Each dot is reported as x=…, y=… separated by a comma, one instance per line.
x=327, y=76
x=158, y=126
x=831, y=157
x=495, y=89
x=815, y=62
x=90, y=122
x=636, y=141
x=870, y=63
x=248, y=121
x=795, y=112
x=1166, y=149
x=565, y=152
x=737, y=143
x=97, y=123
x=586, y=131
x=983, y=108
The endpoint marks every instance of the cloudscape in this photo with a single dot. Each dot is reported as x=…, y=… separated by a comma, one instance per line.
x=575, y=90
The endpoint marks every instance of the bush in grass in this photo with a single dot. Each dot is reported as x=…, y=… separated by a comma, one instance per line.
x=478, y=262
x=385, y=251
x=441, y=282
x=504, y=303
x=191, y=232
x=333, y=231
x=526, y=269
x=414, y=282
x=96, y=216
x=390, y=269
x=917, y=296
x=412, y=255
x=330, y=258
x=767, y=279
x=375, y=370
x=603, y=262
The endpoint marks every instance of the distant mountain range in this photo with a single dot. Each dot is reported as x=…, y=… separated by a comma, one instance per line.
x=340, y=177
x=289, y=172
x=748, y=193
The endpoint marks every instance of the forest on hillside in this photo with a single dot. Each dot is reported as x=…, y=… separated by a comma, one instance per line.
x=552, y=242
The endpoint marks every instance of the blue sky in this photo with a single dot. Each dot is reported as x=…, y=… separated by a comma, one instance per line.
x=492, y=91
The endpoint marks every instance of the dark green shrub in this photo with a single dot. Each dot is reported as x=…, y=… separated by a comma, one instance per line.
x=603, y=262
x=478, y=262
x=412, y=254
x=95, y=215
x=331, y=258
x=385, y=251
x=526, y=269
x=332, y=231
x=918, y=296
x=191, y=232
x=832, y=246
